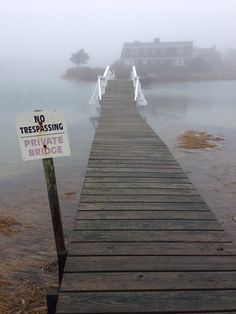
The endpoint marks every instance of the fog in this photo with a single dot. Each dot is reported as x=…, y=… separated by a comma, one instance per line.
x=48, y=31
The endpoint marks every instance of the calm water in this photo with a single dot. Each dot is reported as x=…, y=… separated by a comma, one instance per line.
x=211, y=103
x=201, y=106
x=22, y=91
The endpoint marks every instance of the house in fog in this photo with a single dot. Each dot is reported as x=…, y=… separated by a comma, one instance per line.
x=157, y=53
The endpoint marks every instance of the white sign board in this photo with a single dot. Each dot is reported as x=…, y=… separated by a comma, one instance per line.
x=42, y=134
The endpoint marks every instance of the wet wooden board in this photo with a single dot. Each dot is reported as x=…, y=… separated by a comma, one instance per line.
x=159, y=165
x=144, y=241
x=150, y=263
x=138, y=185
x=145, y=214
x=140, y=198
x=138, y=191
x=150, y=249
x=148, y=281
x=200, y=206
x=147, y=224
x=141, y=162
x=141, y=174
x=148, y=302
x=175, y=236
x=147, y=180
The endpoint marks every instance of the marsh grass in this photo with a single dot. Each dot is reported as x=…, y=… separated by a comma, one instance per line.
x=23, y=299
x=197, y=140
x=8, y=224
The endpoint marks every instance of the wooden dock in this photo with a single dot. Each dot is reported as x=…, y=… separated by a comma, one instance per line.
x=144, y=241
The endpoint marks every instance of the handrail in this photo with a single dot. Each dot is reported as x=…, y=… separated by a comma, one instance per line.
x=99, y=88
x=134, y=71
x=136, y=88
x=106, y=71
x=101, y=85
x=138, y=92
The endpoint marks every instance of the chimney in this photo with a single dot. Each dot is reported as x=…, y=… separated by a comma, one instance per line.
x=156, y=40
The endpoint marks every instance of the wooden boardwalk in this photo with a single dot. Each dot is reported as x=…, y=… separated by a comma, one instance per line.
x=144, y=241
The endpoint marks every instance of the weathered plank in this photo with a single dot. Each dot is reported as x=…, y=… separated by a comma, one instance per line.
x=145, y=214
x=148, y=281
x=137, y=170
x=200, y=206
x=133, y=174
x=139, y=198
x=139, y=191
x=140, y=160
x=147, y=302
x=134, y=165
x=132, y=155
x=150, y=249
x=146, y=224
x=149, y=263
x=150, y=236
x=138, y=185
x=133, y=180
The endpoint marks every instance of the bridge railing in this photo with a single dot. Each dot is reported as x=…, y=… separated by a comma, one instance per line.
x=138, y=92
x=101, y=85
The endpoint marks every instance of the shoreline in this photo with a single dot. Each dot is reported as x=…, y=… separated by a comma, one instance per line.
x=150, y=79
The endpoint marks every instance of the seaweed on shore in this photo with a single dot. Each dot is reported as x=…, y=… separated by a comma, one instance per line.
x=197, y=140
x=8, y=224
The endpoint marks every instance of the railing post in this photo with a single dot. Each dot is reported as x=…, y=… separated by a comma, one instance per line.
x=99, y=89
x=101, y=85
x=138, y=93
x=136, y=88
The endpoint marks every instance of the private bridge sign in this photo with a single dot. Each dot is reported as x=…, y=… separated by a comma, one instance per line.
x=42, y=134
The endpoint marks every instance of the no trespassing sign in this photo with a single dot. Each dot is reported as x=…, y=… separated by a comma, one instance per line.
x=42, y=134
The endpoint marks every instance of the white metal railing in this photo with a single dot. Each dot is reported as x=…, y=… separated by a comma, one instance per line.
x=101, y=85
x=138, y=92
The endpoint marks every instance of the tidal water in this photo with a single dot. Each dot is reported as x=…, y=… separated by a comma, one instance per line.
x=172, y=109
x=25, y=90
x=205, y=106
x=210, y=103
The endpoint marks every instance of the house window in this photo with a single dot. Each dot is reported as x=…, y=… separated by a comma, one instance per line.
x=127, y=52
x=162, y=51
x=180, y=50
x=139, y=62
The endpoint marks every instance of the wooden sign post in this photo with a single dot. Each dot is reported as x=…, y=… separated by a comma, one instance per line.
x=54, y=203
x=43, y=135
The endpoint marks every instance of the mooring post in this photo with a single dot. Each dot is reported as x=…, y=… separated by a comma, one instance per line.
x=50, y=177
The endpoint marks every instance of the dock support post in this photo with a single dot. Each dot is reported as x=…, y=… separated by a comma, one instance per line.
x=55, y=214
x=52, y=297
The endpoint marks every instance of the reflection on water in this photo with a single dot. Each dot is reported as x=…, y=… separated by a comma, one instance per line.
x=209, y=102
x=174, y=108
x=27, y=93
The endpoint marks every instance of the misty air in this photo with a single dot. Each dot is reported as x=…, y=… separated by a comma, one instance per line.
x=117, y=163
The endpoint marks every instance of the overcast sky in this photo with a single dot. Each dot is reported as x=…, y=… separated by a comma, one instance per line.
x=50, y=30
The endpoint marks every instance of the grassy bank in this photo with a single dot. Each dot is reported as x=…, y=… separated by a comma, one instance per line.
x=86, y=74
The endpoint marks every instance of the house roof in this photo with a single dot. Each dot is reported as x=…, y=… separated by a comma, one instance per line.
x=157, y=43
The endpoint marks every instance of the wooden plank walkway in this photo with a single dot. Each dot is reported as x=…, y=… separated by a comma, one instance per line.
x=144, y=241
